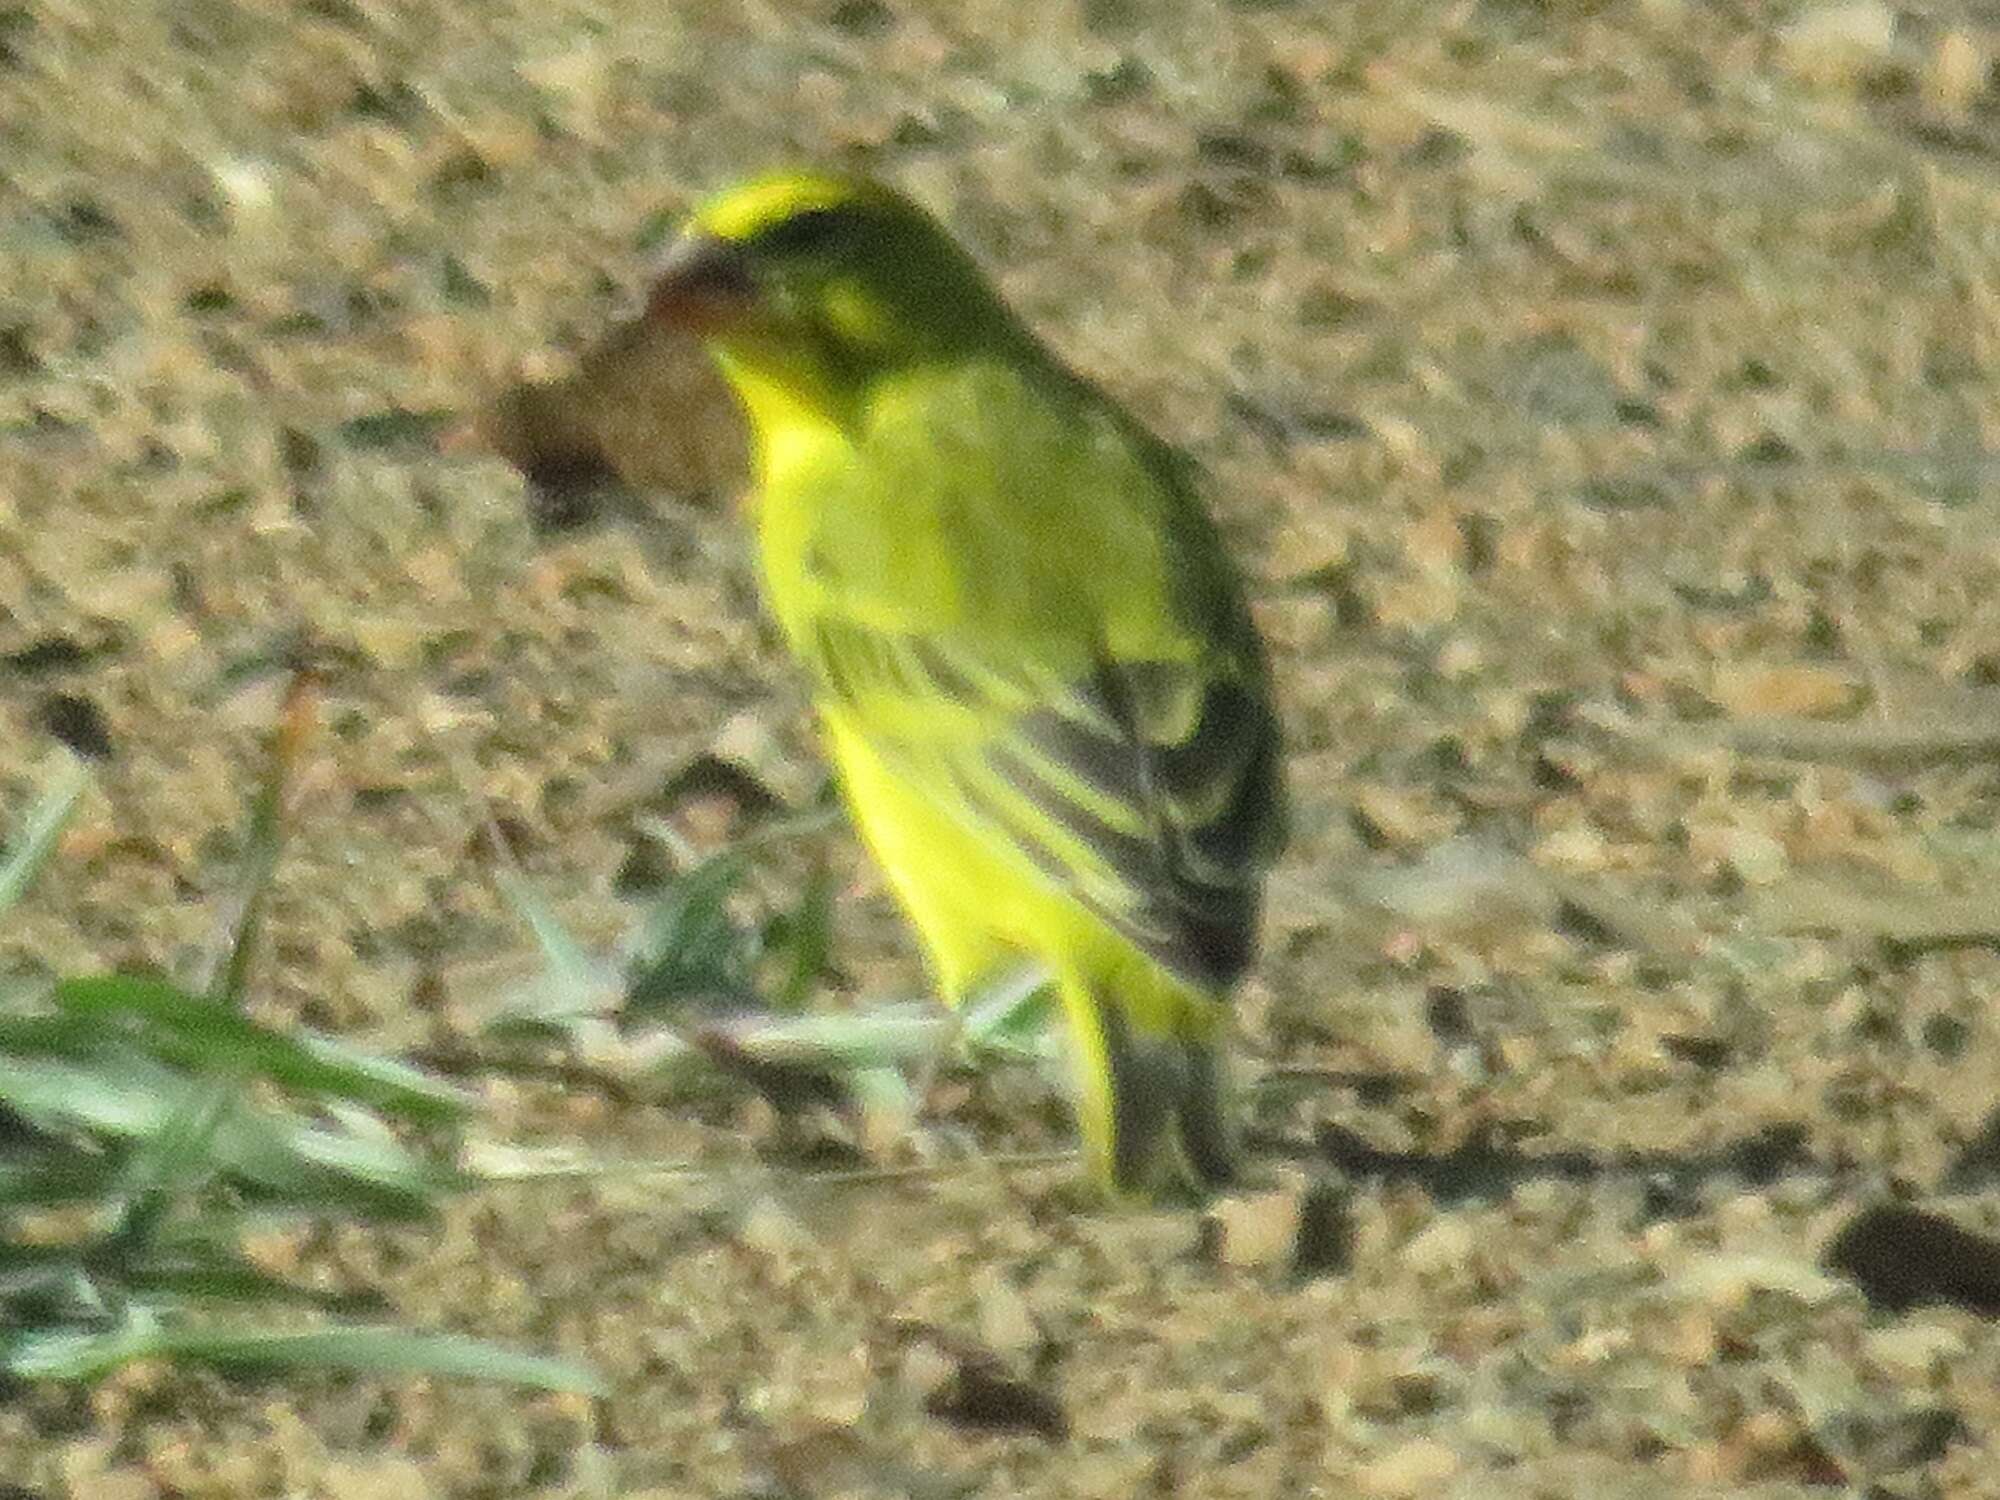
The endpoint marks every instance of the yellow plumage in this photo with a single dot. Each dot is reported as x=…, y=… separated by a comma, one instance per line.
x=1035, y=672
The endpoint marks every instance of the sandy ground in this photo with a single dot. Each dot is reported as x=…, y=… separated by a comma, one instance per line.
x=1596, y=394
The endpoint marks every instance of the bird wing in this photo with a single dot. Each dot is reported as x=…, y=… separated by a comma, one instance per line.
x=1045, y=636
x=1149, y=790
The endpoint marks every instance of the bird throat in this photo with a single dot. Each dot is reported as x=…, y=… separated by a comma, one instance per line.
x=792, y=426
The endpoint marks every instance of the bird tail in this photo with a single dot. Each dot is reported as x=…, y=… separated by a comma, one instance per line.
x=1150, y=1084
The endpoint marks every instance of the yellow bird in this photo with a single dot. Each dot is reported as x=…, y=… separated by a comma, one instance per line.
x=1044, y=696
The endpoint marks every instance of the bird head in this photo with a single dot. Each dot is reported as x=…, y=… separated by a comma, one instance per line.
x=809, y=287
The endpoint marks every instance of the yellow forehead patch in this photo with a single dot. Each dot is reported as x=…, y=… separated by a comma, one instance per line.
x=740, y=212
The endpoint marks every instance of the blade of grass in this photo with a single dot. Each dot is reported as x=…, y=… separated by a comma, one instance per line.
x=179, y=1282
x=198, y=1257
x=124, y=1096
x=130, y=1097
x=1008, y=1015
x=884, y=1095
x=224, y=969
x=559, y=948
x=30, y=849
x=574, y=984
x=44, y=1274
x=40, y=1279
x=563, y=957
x=176, y=1162
x=384, y=1350
x=80, y=1355
x=328, y=1166
x=196, y=1032
x=689, y=946
x=802, y=940
x=30, y=1034
x=882, y=1036
x=54, y=1176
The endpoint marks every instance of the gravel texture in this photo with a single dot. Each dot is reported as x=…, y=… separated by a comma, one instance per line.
x=1597, y=395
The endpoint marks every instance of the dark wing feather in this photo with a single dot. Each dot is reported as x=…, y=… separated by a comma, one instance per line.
x=1197, y=756
x=1150, y=789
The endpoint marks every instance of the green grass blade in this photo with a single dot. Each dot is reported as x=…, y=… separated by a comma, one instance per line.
x=883, y=1093
x=557, y=1000
x=801, y=941
x=225, y=968
x=127, y=1096
x=1008, y=1016
x=333, y=1167
x=382, y=1350
x=561, y=953
x=194, y=1031
x=42, y=1276
x=370, y=1350
x=190, y=1271
x=48, y=1035
x=176, y=1161
x=75, y=1353
x=183, y=1267
x=689, y=945
x=124, y=1096
x=882, y=1036
x=55, y=1175
x=30, y=849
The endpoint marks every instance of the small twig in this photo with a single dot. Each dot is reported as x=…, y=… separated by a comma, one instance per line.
x=1874, y=746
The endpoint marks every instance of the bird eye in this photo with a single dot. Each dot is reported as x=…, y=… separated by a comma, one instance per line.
x=814, y=230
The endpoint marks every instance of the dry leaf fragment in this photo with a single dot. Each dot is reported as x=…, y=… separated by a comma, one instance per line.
x=643, y=407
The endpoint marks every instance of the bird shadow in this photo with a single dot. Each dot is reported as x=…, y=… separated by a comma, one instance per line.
x=1484, y=1168
x=1898, y=1254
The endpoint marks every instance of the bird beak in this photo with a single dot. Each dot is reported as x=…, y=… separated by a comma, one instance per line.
x=704, y=285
